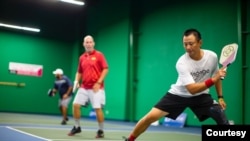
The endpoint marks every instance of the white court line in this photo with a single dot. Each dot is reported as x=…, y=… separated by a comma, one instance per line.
x=27, y=133
x=110, y=130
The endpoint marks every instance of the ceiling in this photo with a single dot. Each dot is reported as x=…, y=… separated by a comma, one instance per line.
x=56, y=20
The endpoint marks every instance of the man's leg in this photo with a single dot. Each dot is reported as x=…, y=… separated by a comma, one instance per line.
x=60, y=108
x=100, y=117
x=63, y=110
x=77, y=114
x=218, y=114
x=77, y=118
x=100, y=120
x=152, y=116
x=97, y=100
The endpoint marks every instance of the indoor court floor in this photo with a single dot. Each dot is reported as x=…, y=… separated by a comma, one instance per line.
x=33, y=127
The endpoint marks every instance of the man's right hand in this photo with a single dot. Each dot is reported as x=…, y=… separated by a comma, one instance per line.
x=221, y=73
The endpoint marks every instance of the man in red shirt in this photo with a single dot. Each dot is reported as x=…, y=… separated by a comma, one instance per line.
x=92, y=69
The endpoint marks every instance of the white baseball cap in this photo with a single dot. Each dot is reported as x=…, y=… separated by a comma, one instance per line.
x=58, y=71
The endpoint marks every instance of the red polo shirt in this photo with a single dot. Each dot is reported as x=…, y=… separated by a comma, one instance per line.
x=90, y=66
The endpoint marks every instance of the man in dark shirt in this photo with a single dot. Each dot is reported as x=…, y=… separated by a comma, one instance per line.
x=63, y=85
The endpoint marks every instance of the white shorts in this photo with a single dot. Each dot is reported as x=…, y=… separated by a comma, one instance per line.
x=64, y=102
x=84, y=96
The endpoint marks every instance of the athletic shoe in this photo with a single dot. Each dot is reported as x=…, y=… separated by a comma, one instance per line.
x=64, y=122
x=74, y=131
x=126, y=139
x=100, y=134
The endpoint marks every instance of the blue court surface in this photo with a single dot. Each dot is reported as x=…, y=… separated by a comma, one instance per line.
x=11, y=134
x=32, y=127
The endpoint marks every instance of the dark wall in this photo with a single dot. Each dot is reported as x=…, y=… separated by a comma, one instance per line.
x=245, y=58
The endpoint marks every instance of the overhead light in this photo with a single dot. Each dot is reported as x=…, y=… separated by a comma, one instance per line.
x=20, y=27
x=73, y=2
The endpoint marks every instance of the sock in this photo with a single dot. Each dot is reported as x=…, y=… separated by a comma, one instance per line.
x=77, y=123
x=132, y=138
x=101, y=126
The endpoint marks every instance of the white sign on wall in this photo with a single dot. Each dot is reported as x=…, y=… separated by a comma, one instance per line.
x=25, y=69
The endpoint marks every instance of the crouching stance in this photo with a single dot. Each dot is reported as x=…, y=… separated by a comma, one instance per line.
x=198, y=70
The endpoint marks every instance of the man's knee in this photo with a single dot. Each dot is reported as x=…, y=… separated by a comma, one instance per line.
x=218, y=114
x=76, y=106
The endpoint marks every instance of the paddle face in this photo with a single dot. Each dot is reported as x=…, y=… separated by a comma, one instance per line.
x=50, y=93
x=228, y=54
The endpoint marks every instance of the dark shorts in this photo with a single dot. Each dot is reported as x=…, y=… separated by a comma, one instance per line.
x=175, y=105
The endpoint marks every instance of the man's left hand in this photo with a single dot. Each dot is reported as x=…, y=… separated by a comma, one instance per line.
x=222, y=103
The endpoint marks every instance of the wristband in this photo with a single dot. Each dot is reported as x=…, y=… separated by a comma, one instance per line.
x=220, y=96
x=209, y=82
